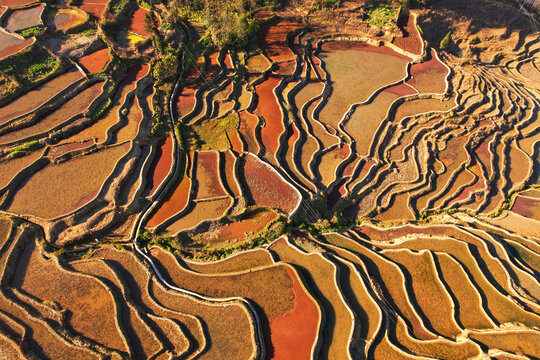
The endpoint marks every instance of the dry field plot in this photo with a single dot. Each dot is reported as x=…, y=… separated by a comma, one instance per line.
x=342, y=192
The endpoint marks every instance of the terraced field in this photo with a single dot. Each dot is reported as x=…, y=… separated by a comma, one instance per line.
x=327, y=191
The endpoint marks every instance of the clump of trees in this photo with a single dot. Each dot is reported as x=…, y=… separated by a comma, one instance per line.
x=230, y=22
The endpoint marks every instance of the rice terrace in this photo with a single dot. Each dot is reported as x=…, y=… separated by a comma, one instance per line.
x=270, y=179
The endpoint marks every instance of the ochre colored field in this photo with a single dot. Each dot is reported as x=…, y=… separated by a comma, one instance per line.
x=76, y=105
x=237, y=263
x=85, y=299
x=59, y=189
x=68, y=18
x=207, y=175
x=429, y=76
x=199, y=212
x=34, y=98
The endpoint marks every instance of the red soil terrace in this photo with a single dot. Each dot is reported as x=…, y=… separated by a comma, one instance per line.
x=266, y=187
x=95, y=61
x=269, y=109
x=161, y=164
x=294, y=333
x=137, y=22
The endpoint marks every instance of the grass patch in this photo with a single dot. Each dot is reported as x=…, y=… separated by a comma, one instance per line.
x=24, y=149
x=212, y=134
x=383, y=15
x=31, y=31
x=134, y=38
x=102, y=109
x=29, y=65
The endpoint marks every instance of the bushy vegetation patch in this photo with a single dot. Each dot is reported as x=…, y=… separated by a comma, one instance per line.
x=24, y=149
x=382, y=15
x=31, y=31
x=29, y=65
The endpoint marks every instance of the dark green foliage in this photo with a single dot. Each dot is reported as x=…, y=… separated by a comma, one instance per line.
x=166, y=68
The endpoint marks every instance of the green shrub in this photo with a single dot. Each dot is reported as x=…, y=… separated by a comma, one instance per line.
x=166, y=26
x=31, y=31
x=446, y=41
x=146, y=5
x=24, y=149
x=383, y=15
x=165, y=68
x=118, y=7
x=103, y=107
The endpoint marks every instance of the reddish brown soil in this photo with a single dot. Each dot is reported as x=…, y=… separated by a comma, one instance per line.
x=15, y=3
x=10, y=44
x=286, y=68
x=236, y=143
x=267, y=189
x=476, y=186
x=177, y=201
x=33, y=99
x=270, y=110
x=186, y=100
x=95, y=61
x=272, y=40
x=429, y=76
x=411, y=41
x=207, y=175
x=137, y=22
x=94, y=7
x=129, y=131
x=236, y=231
x=65, y=148
x=24, y=19
x=401, y=90
x=294, y=333
x=134, y=74
x=528, y=207
x=161, y=164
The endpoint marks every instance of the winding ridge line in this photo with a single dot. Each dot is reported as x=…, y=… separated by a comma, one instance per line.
x=259, y=351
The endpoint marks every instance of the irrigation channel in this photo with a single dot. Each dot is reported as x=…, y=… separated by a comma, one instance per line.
x=162, y=190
